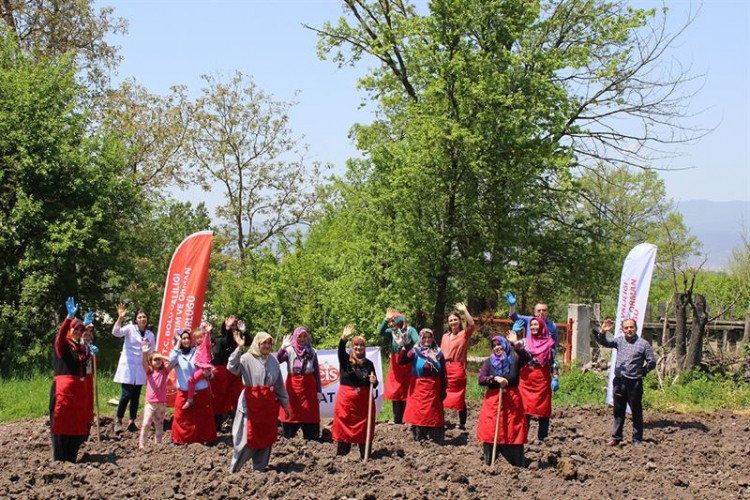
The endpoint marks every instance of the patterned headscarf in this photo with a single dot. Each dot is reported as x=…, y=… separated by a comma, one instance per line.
x=352, y=358
x=259, y=338
x=540, y=345
x=304, y=352
x=502, y=362
x=428, y=353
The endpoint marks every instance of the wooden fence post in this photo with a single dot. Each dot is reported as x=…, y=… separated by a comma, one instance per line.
x=581, y=338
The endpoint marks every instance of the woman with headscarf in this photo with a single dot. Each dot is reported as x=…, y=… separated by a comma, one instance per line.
x=398, y=333
x=69, y=405
x=254, y=429
x=225, y=387
x=536, y=375
x=455, y=347
x=424, y=405
x=302, y=385
x=130, y=371
x=500, y=374
x=194, y=424
x=356, y=376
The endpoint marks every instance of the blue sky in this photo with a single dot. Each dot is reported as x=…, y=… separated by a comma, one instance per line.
x=174, y=42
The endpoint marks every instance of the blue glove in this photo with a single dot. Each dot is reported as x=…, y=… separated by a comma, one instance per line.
x=519, y=325
x=94, y=350
x=88, y=319
x=555, y=384
x=510, y=298
x=72, y=307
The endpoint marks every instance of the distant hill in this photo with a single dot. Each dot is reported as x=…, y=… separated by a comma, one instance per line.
x=718, y=224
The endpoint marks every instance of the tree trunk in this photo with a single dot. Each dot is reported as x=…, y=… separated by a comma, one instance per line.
x=697, y=332
x=681, y=301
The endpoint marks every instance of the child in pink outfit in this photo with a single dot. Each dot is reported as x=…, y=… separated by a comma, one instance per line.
x=157, y=371
x=202, y=361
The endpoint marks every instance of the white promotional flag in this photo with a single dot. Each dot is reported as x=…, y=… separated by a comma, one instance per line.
x=635, y=283
x=328, y=363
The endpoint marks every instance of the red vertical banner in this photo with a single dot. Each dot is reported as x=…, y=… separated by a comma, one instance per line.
x=184, y=294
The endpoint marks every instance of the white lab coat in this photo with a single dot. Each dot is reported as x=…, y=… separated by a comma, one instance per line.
x=130, y=367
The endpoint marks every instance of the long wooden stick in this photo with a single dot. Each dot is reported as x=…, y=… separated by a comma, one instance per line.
x=96, y=400
x=368, y=437
x=497, y=424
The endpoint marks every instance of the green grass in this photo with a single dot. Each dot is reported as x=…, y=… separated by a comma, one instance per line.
x=28, y=397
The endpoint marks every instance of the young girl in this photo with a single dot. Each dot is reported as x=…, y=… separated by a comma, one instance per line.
x=156, y=393
x=202, y=343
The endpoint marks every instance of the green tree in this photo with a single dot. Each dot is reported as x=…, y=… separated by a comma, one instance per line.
x=65, y=208
x=484, y=109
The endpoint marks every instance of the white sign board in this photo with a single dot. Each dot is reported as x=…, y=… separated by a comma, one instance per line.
x=328, y=361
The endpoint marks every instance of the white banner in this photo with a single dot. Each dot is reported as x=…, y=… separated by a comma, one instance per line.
x=635, y=283
x=328, y=361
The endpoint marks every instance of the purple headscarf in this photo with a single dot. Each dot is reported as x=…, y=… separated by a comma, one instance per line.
x=502, y=362
x=540, y=345
x=304, y=353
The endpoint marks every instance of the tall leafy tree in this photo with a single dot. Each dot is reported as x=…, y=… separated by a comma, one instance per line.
x=484, y=109
x=66, y=210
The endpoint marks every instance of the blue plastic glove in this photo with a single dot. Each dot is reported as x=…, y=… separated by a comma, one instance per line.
x=88, y=319
x=94, y=350
x=510, y=298
x=519, y=325
x=555, y=384
x=72, y=307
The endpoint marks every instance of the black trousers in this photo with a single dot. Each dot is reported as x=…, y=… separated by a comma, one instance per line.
x=435, y=433
x=309, y=431
x=513, y=453
x=398, y=411
x=627, y=391
x=543, y=431
x=131, y=393
x=345, y=448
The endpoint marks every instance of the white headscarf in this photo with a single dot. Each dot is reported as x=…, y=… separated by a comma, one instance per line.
x=259, y=338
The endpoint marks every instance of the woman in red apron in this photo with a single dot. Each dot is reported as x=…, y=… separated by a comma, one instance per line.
x=424, y=406
x=455, y=347
x=500, y=374
x=356, y=375
x=536, y=375
x=302, y=385
x=254, y=429
x=399, y=334
x=194, y=424
x=225, y=387
x=69, y=404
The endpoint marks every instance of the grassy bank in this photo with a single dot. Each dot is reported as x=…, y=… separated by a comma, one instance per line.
x=28, y=397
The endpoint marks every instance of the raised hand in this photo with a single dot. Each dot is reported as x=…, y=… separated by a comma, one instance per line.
x=121, y=311
x=348, y=330
x=88, y=319
x=287, y=342
x=230, y=321
x=71, y=307
x=460, y=306
x=239, y=339
x=241, y=326
x=518, y=326
x=510, y=298
x=512, y=337
x=607, y=325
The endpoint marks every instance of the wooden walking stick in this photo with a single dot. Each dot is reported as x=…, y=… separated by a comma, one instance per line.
x=497, y=424
x=96, y=400
x=368, y=436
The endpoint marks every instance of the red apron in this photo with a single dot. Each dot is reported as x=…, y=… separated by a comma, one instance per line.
x=513, y=427
x=456, y=398
x=424, y=406
x=350, y=415
x=397, y=381
x=72, y=406
x=220, y=390
x=196, y=424
x=536, y=391
x=304, y=407
x=235, y=387
x=262, y=412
